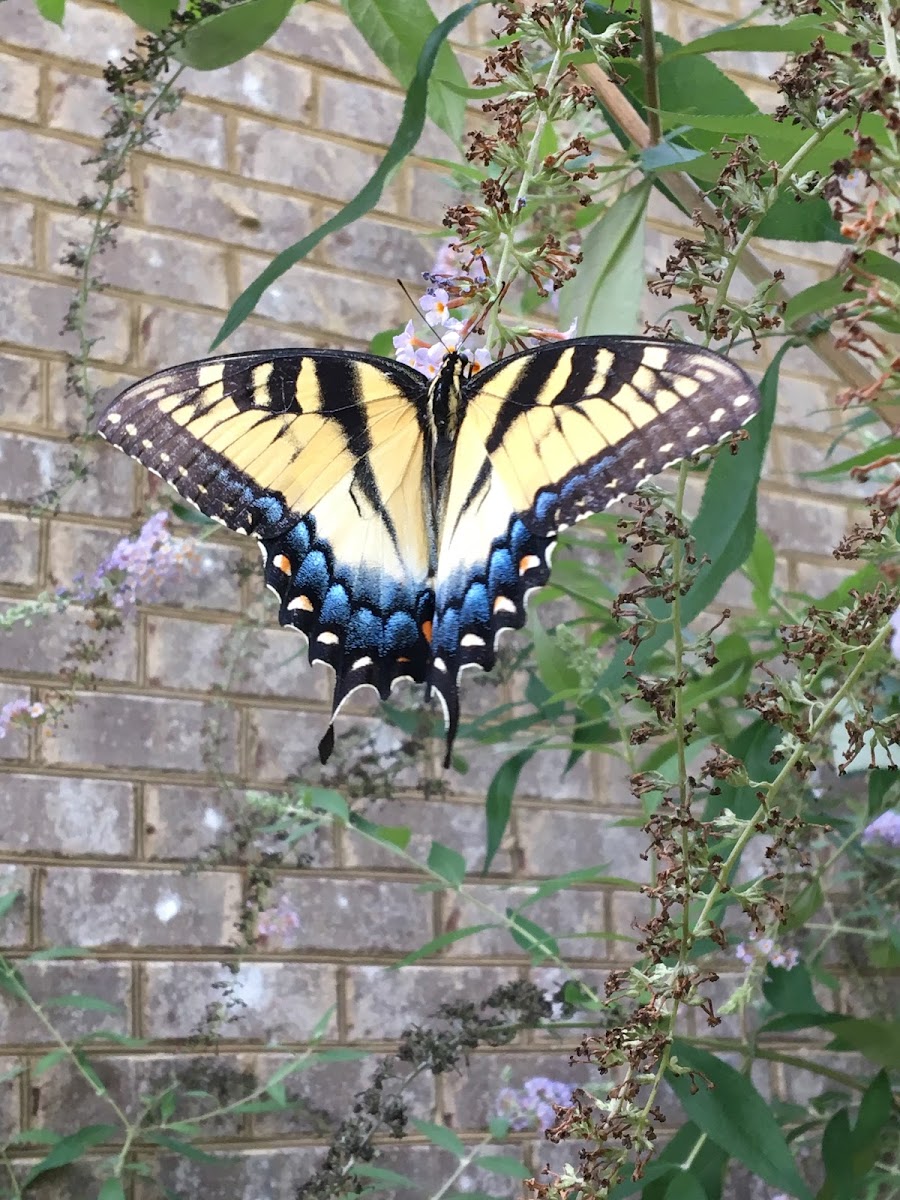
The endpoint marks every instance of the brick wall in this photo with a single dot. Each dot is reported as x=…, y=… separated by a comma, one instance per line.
x=100, y=815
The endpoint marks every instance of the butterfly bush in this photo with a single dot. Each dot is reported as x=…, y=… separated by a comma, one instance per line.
x=21, y=712
x=532, y=1103
x=764, y=949
x=884, y=830
x=138, y=569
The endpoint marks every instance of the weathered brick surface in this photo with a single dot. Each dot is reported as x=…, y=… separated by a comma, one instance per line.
x=106, y=981
x=42, y=648
x=42, y=814
x=19, y=82
x=277, y=1002
x=14, y=929
x=357, y=916
x=18, y=551
x=29, y=308
x=20, y=397
x=381, y=1000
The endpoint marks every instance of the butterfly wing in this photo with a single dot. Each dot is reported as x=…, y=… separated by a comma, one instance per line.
x=320, y=455
x=550, y=436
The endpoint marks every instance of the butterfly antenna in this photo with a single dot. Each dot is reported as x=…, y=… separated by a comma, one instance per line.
x=420, y=314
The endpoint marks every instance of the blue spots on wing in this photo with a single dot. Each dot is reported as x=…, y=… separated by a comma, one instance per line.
x=365, y=632
x=267, y=511
x=502, y=572
x=313, y=574
x=335, y=607
x=297, y=542
x=544, y=504
x=475, y=609
x=401, y=633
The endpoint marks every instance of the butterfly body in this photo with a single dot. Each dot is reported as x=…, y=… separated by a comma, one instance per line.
x=403, y=523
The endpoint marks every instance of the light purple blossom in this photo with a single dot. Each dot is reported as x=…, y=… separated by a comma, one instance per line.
x=435, y=307
x=533, y=1102
x=21, y=711
x=764, y=949
x=277, y=923
x=895, y=635
x=885, y=829
x=139, y=568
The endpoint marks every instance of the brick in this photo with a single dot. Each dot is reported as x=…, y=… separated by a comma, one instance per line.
x=327, y=36
x=19, y=83
x=77, y=1181
x=142, y=732
x=430, y=1170
x=184, y=822
x=261, y=662
x=31, y=465
x=10, y=1069
x=321, y=300
x=798, y=455
x=44, y=166
x=152, y=263
x=250, y=1176
x=20, y=398
x=259, y=82
x=15, y=743
x=576, y=911
x=382, y=1002
x=805, y=526
x=64, y=1101
x=357, y=915
x=627, y=911
x=431, y=193
x=590, y=839
x=97, y=907
x=307, y=163
x=14, y=925
x=372, y=114
x=379, y=249
x=472, y=1095
x=83, y=36
x=67, y=411
x=284, y=742
x=545, y=775
x=79, y=548
x=18, y=552
x=271, y=1002
x=17, y=223
x=325, y=1092
x=45, y=981
x=47, y=815
x=460, y=826
x=51, y=642
x=172, y=335
x=805, y=403
x=817, y=579
x=244, y=216
x=32, y=313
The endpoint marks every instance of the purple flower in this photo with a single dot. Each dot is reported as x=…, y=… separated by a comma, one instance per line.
x=884, y=829
x=277, y=923
x=533, y=1102
x=20, y=711
x=764, y=949
x=895, y=636
x=139, y=568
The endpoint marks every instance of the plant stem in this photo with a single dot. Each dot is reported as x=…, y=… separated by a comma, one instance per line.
x=651, y=78
x=891, y=57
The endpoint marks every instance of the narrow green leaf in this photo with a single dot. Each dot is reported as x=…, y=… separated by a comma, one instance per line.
x=532, y=937
x=389, y=835
x=86, y=1003
x=808, y=901
x=438, y=943
x=329, y=801
x=70, y=1149
x=837, y=1161
x=232, y=34
x=498, y=803
x=185, y=1149
x=396, y=31
x=874, y=1110
x=819, y=297
x=112, y=1189
x=8, y=901
x=381, y=1174
x=406, y=137
x=447, y=863
x=48, y=1061
x=736, y=1117
x=554, y=666
x=878, y=1040
x=685, y=1186
x=149, y=14
x=665, y=155
x=441, y=1136
x=503, y=1164
x=839, y=470
x=561, y=882
x=605, y=296
x=383, y=343
x=323, y=1024
x=794, y=35
x=52, y=10
x=760, y=570
x=56, y=952
x=790, y=991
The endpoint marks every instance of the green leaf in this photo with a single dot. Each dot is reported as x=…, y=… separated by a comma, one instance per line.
x=441, y=1136
x=665, y=155
x=406, y=137
x=8, y=901
x=531, y=937
x=605, y=296
x=790, y=991
x=760, y=570
x=231, y=34
x=112, y=1189
x=808, y=901
x=561, y=882
x=874, y=1110
x=383, y=343
x=329, y=801
x=878, y=1040
x=86, y=1003
x=396, y=31
x=794, y=35
x=389, y=835
x=554, y=666
x=736, y=1117
x=684, y=1186
x=185, y=1149
x=503, y=1164
x=149, y=14
x=819, y=297
x=447, y=863
x=498, y=803
x=862, y=459
x=52, y=10
x=438, y=943
x=835, y=1158
x=70, y=1149
x=381, y=1174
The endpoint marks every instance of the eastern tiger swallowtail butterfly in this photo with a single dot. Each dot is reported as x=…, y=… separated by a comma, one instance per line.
x=403, y=522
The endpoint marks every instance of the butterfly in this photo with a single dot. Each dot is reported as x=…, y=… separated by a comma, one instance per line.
x=403, y=522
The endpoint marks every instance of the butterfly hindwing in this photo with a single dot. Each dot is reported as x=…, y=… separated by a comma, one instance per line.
x=550, y=436
x=320, y=455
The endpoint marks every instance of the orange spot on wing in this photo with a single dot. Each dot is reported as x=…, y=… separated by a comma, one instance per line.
x=283, y=563
x=400, y=659
x=426, y=631
x=529, y=561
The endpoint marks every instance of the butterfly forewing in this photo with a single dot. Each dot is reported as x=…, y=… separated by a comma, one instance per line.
x=320, y=455
x=550, y=436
